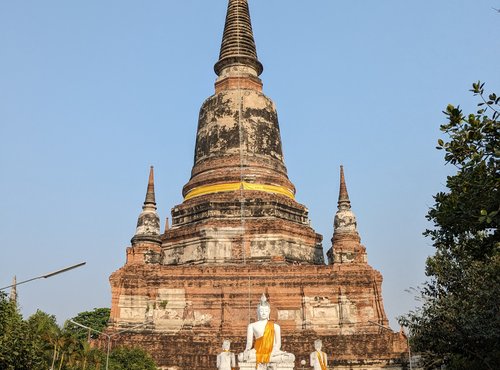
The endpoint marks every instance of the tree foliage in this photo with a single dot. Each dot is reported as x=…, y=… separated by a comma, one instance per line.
x=38, y=343
x=131, y=359
x=17, y=349
x=459, y=321
x=96, y=319
x=44, y=329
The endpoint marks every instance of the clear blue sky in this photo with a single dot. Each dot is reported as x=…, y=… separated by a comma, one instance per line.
x=93, y=92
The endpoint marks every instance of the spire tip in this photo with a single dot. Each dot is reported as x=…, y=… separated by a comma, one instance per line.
x=238, y=44
x=343, y=194
x=150, y=193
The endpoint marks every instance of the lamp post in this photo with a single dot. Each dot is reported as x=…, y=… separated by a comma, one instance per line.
x=47, y=275
x=407, y=339
x=107, y=335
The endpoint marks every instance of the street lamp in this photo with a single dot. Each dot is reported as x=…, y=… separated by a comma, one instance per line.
x=407, y=339
x=46, y=275
x=107, y=335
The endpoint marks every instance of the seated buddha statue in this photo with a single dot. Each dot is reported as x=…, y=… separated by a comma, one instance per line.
x=266, y=351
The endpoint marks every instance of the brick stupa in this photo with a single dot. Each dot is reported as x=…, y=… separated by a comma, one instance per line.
x=240, y=233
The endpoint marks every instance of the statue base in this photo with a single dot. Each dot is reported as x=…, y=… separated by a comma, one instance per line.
x=270, y=366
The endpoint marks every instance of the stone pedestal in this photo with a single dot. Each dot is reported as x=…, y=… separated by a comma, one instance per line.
x=281, y=366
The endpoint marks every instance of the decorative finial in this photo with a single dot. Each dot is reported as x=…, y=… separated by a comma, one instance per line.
x=263, y=299
x=148, y=222
x=238, y=45
x=150, y=194
x=344, y=202
x=167, y=226
x=345, y=220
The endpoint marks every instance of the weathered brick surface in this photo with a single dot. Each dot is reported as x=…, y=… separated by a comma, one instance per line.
x=238, y=138
x=193, y=351
x=191, y=309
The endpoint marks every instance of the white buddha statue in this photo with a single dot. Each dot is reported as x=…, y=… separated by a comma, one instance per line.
x=226, y=359
x=266, y=351
x=319, y=359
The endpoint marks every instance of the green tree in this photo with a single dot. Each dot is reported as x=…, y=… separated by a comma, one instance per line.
x=96, y=319
x=123, y=358
x=44, y=332
x=39, y=343
x=17, y=351
x=459, y=321
x=88, y=356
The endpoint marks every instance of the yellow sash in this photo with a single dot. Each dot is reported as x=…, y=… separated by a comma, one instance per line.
x=321, y=361
x=233, y=186
x=264, y=345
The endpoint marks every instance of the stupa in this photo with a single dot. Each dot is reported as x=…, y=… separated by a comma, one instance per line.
x=240, y=233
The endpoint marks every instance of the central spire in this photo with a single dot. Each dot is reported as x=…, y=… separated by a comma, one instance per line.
x=238, y=143
x=239, y=204
x=238, y=45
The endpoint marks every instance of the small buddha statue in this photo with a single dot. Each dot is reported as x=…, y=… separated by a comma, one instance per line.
x=266, y=350
x=226, y=359
x=319, y=359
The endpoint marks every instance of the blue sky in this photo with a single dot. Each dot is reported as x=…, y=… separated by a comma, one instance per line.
x=93, y=92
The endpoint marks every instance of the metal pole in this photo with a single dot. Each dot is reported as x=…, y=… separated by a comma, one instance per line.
x=107, y=354
x=409, y=351
x=50, y=274
x=107, y=335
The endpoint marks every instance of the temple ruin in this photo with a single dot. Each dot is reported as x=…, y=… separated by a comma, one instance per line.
x=240, y=233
